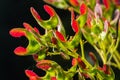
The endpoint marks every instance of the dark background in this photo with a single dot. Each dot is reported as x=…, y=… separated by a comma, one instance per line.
x=12, y=14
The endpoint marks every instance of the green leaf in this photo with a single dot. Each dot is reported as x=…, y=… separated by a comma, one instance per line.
x=46, y=24
x=33, y=46
x=58, y=3
x=75, y=41
x=82, y=20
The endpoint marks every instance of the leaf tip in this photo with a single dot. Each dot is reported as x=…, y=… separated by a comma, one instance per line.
x=20, y=51
x=16, y=33
x=49, y=10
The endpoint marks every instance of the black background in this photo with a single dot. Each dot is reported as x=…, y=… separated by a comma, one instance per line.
x=12, y=14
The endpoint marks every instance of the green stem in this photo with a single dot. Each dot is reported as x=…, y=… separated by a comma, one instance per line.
x=115, y=65
x=111, y=49
x=87, y=63
x=83, y=54
x=117, y=55
x=111, y=46
x=116, y=60
x=114, y=53
x=101, y=54
x=82, y=48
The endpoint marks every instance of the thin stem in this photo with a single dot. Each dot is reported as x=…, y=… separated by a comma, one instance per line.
x=111, y=46
x=111, y=49
x=116, y=60
x=115, y=56
x=82, y=48
x=87, y=63
x=109, y=59
x=115, y=65
x=83, y=54
x=100, y=53
x=53, y=53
